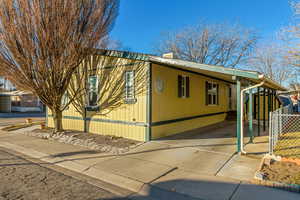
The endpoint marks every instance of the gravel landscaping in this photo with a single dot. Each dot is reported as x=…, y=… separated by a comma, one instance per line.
x=102, y=143
x=25, y=180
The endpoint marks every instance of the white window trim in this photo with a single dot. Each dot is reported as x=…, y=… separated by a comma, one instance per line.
x=130, y=98
x=213, y=93
x=89, y=89
x=184, y=86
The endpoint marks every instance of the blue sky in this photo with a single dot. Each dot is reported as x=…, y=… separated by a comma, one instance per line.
x=141, y=22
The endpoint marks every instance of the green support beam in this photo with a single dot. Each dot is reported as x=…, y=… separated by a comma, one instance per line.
x=239, y=120
x=269, y=106
x=272, y=100
x=264, y=110
x=250, y=115
x=258, y=111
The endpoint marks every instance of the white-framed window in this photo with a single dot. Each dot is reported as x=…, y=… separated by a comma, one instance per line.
x=93, y=91
x=65, y=100
x=183, y=86
x=212, y=93
x=129, y=87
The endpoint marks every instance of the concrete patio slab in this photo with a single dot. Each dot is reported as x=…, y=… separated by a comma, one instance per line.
x=198, y=186
x=150, y=146
x=211, y=144
x=259, y=147
x=205, y=163
x=140, y=170
x=240, y=167
x=171, y=156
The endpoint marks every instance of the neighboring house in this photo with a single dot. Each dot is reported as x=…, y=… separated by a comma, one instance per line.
x=6, y=85
x=181, y=96
x=25, y=102
x=5, y=101
x=13, y=100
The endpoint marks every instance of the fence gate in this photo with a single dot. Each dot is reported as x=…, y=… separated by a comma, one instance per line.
x=284, y=133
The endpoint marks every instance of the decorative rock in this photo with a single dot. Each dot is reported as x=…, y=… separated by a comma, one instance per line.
x=259, y=175
x=89, y=143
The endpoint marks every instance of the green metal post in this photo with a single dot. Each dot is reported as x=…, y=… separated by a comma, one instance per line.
x=272, y=100
x=269, y=106
x=149, y=105
x=239, y=120
x=250, y=115
x=264, y=109
x=258, y=111
x=47, y=117
x=275, y=100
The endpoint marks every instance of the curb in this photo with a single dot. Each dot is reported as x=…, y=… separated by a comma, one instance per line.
x=139, y=189
x=283, y=186
x=120, y=181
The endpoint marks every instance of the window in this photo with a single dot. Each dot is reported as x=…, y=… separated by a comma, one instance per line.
x=129, y=87
x=65, y=100
x=212, y=93
x=183, y=86
x=92, y=91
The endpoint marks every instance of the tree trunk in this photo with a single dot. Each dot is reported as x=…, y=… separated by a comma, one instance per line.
x=57, y=117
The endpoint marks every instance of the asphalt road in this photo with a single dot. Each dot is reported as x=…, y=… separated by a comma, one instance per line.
x=26, y=180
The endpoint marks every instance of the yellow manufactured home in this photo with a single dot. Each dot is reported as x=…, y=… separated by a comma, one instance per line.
x=180, y=96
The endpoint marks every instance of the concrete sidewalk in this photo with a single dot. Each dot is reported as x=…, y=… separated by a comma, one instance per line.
x=158, y=170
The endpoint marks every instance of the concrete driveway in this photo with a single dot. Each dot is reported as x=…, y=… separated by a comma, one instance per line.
x=206, y=156
x=209, y=151
x=200, y=164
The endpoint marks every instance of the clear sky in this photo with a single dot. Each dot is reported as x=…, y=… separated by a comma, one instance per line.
x=141, y=22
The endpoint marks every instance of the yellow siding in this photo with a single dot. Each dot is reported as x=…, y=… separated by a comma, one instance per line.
x=167, y=106
x=118, y=120
x=178, y=127
x=127, y=113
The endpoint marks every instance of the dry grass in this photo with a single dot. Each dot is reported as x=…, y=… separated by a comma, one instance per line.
x=288, y=145
x=283, y=172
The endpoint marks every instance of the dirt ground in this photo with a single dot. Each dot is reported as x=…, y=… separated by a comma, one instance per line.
x=24, y=180
x=284, y=172
x=97, y=138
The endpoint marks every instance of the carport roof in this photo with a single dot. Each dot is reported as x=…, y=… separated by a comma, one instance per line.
x=219, y=72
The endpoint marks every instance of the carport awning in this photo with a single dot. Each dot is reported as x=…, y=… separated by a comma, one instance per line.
x=219, y=72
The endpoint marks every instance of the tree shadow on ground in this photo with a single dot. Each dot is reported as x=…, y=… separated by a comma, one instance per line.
x=185, y=189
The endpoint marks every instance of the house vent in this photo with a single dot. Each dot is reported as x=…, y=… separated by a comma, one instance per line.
x=168, y=55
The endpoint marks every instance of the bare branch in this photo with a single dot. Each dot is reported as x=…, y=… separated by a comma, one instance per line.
x=43, y=42
x=110, y=72
x=216, y=44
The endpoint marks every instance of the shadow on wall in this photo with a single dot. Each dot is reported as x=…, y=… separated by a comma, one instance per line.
x=184, y=189
x=224, y=129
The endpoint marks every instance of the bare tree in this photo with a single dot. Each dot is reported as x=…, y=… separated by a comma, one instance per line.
x=270, y=59
x=291, y=36
x=294, y=86
x=214, y=44
x=110, y=88
x=43, y=42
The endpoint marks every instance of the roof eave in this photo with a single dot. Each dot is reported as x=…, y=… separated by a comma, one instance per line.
x=272, y=83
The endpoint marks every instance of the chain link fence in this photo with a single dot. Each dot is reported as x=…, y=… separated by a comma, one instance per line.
x=284, y=133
